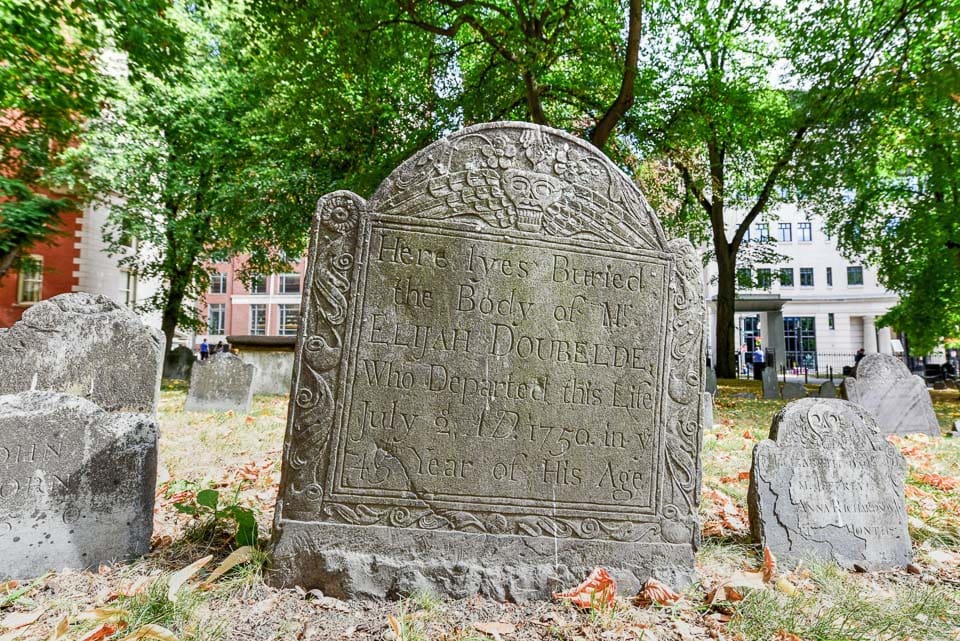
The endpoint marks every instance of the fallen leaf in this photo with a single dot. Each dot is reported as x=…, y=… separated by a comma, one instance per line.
x=655, y=592
x=8, y=586
x=743, y=476
x=769, y=565
x=747, y=435
x=62, y=627
x=152, y=631
x=745, y=579
x=182, y=576
x=597, y=589
x=940, y=482
x=16, y=620
x=238, y=556
x=103, y=614
x=785, y=586
x=395, y=626
x=102, y=631
x=495, y=628
x=783, y=635
x=723, y=592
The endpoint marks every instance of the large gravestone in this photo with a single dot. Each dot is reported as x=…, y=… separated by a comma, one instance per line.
x=898, y=399
x=76, y=484
x=771, y=386
x=84, y=345
x=221, y=383
x=178, y=364
x=827, y=486
x=499, y=380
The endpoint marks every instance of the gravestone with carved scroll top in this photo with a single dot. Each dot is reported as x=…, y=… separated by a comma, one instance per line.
x=498, y=383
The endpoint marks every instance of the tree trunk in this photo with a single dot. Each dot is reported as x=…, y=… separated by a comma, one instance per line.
x=171, y=308
x=726, y=347
x=7, y=259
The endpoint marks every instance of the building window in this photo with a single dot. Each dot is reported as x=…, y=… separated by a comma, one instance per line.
x=764, y=278
x=763, y=232
x=800, y=340
x=855, y=275
x=806, y=232
x=806, y=277
x=30, y=281
x=831, y=321
x=829, y=276
x=288, y=320
x=218, y=283
x=786, y=276
x=128, y=289
x=289, y=283
x=258, y=284
x=217, y=319
x=744, y=278
x=258, y=320
x=784, y=232
x=746, y=235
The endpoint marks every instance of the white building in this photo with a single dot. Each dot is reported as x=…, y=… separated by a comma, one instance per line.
x=824, y=304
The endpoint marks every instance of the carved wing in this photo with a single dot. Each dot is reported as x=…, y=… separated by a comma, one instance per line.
x=474, y=192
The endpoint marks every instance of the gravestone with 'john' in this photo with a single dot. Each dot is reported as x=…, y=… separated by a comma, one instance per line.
x=499, y=380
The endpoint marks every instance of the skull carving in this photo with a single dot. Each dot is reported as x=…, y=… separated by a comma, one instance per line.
x=531, y=193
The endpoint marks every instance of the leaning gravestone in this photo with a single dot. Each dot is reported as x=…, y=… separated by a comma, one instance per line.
x=827, y=486
x=898, y=399
x=499, y=380
x=771, y=386
x=827, y=390
x=178, y=364
x=793, y=390
x=223, y=382
x=76, y=484
x=85, y=345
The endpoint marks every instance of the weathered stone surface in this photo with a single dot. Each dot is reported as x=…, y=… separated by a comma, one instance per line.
x=86, y=346
x=222, y=382
x=771, y=386
x=793, y=390
x=827, y=390
x=828, y=486
x=178, y=364
x=707, y=411
x=711, y=384
x=272, y=360
x=499, y=380
x=76, y=484
x=898, y=399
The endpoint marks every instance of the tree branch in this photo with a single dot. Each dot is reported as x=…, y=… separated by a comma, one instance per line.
x=625, y=98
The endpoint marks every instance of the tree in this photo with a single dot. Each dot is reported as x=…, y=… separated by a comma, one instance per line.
x=736, y=137
x=895, y=196
x=51, y=81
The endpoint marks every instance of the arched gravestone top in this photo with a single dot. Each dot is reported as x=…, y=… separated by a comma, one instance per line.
x=498, y=382
x=85, y=345
x=898, y=399
x=827, y=486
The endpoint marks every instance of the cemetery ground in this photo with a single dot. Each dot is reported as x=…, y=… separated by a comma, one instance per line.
x=738, y=596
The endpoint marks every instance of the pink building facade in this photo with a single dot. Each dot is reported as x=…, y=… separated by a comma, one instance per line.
x=269, y=306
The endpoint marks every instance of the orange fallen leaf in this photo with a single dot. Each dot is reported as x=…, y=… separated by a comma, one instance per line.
x=769, y=565
x=655, y=592
x=945, y=483
x=395, y=626
x=598, y=589
x=8, y=586
x=783, y=635
x=723, y=592
x=747, y=435
x=102, y=631
x=743, y=476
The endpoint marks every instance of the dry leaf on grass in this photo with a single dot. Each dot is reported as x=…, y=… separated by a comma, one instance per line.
x=598, y=589
x=783, y=635
x=101, y=632
x=182, y=576
x=395, y=626
x=945, y=483
x=103, y=614
x=152, y=631
x=238, y=556
x=723, y=592
x=655, y=592
x=769, y=565
x=495, y=628
x=16, y=620
x=59, y=630
x=8, y=586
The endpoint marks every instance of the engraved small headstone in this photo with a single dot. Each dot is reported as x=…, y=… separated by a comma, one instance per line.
x=898, y=399
x=84, y=345
x=77, y=484
x=792, y=390
x=499, y=380
x=827, y=390
x=178, y=363
x=771, y=386
x=827, y=486
x=221, y=383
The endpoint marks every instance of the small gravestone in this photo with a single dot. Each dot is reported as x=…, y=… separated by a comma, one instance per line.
x=898, y=399
x=178, y=364
x=77, y=484
x=793, y=390
x=827, y=390
x=771, y=387
x=707, y=411
x=498, y=383
x=827, y=486
x=711, y=385
x=223, y=382
x=84, y=345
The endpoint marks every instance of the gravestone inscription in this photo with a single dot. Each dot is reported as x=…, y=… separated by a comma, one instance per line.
x=771, y=386
x=898, y=399
x=76, y=484
x=827, y=486
x=221, y=383
x=499, y=380
x=85, y=345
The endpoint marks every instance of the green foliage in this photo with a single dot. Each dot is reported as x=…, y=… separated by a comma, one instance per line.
x=214, y=516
